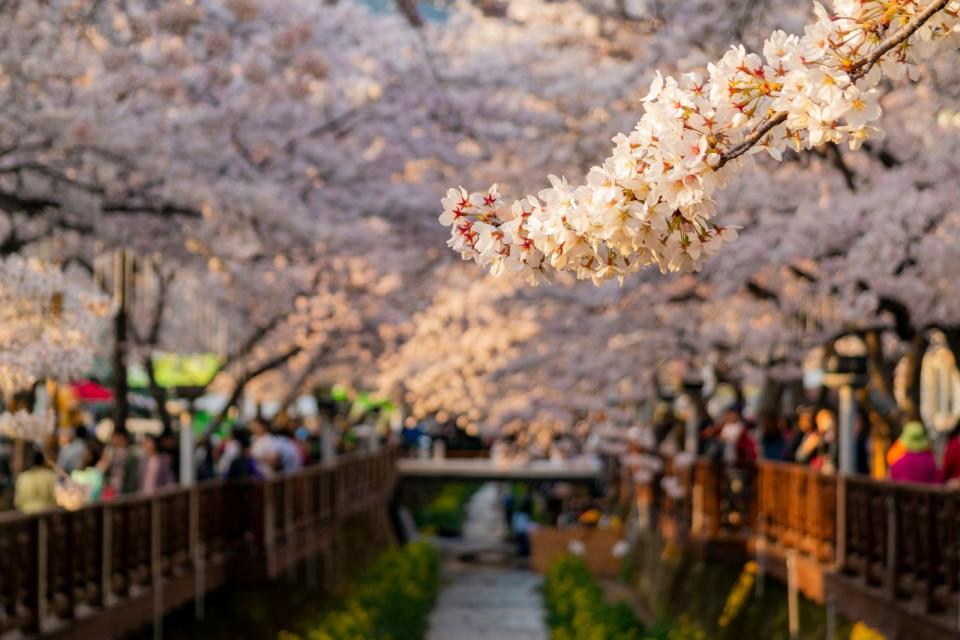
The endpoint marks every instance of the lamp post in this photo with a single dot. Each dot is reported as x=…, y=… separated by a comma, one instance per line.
x=846, y=374
x=187, y=450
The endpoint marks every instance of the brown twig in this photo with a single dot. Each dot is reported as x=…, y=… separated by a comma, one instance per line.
x=863, y=66
x=859, y=69
x=739, y=149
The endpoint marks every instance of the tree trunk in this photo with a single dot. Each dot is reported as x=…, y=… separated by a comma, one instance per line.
x=222, y=416
x=912, y=361
x=295, y=388
x=121, y=408
x=880, y=401
x=797, y=395
x=879, y=373
x=242, y=383
x=953, y=342
x=771, y=396
x=823, y=394
x=158, y=393
x=882, y=428
x=409, y=10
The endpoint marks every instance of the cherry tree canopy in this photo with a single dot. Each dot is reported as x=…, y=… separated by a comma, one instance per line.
x=277, y=163
x=652, y=201
x=47, y=330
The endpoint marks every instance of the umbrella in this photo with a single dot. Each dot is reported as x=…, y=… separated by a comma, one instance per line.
x=89, y=391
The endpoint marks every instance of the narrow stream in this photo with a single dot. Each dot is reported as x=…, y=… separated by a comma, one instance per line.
x=488, y=593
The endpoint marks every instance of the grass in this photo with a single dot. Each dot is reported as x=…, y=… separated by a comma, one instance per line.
x=577, y=610
x=445, y=514
x=390, y=600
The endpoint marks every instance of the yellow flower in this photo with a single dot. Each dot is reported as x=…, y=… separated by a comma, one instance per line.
x=861, y=631
x=739, y=595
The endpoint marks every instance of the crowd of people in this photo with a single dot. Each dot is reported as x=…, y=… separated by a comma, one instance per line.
x=811, y=438
x=120, y=466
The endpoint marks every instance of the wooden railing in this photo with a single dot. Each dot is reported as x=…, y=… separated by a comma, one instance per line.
x=796, y=509
x=149, y=554
x=888, y=551
x=904, y=539
x=711, y=500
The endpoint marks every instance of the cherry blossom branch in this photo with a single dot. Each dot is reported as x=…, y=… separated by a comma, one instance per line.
x=652, y=201
x=863, y=66
x=748, y=142
x=859, y=69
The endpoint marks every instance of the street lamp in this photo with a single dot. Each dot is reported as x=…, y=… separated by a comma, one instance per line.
x=846, y=374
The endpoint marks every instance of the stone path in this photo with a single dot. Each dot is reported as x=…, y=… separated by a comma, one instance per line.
x=486, y=595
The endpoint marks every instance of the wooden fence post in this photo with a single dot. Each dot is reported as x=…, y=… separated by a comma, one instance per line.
x=760, y=544
x=840, y=530
x=311, y=518
x=891, y=564
x=40, y=573
x=156, y=567
x=269, y=528
x=106, y=555
x=289, y=533
x=696, y=516
x=793, y=597
x=193, y=521
x=197, y=553
x=67, y=561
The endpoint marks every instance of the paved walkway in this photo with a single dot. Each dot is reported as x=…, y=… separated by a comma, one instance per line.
x=486, y=596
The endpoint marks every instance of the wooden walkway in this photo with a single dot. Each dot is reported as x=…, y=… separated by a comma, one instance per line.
x=479, y=469
x=480, y=602
x=884, y=553
x=109, y=568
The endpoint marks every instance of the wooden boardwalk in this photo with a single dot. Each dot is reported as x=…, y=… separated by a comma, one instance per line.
x=885, y=553
x=480, y=469
x=109, y=568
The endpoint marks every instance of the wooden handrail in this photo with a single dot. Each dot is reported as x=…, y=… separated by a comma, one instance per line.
x=900, y=539
x=904, y=538
x=796, y=509
x=103, y=555
x=711, y=500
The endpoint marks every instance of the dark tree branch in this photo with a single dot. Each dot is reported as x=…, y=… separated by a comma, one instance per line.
x=158, y=393
x=801, y=273
x=903, y=323
x=760, y=292
x=833, y=154
x=245, y=379
x=409, y=10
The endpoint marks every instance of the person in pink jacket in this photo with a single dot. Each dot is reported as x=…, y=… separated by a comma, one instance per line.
x=917, y=463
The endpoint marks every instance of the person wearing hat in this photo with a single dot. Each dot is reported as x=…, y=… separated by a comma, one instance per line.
x=916, y=464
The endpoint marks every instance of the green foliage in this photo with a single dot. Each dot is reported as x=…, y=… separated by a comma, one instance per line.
x=446, y=513
x=576, y=609
x=696, y=596
x=390, y=600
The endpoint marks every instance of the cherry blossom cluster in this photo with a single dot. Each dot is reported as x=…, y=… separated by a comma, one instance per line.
x=652, y=201
x=48, y=324
x=24, y=425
